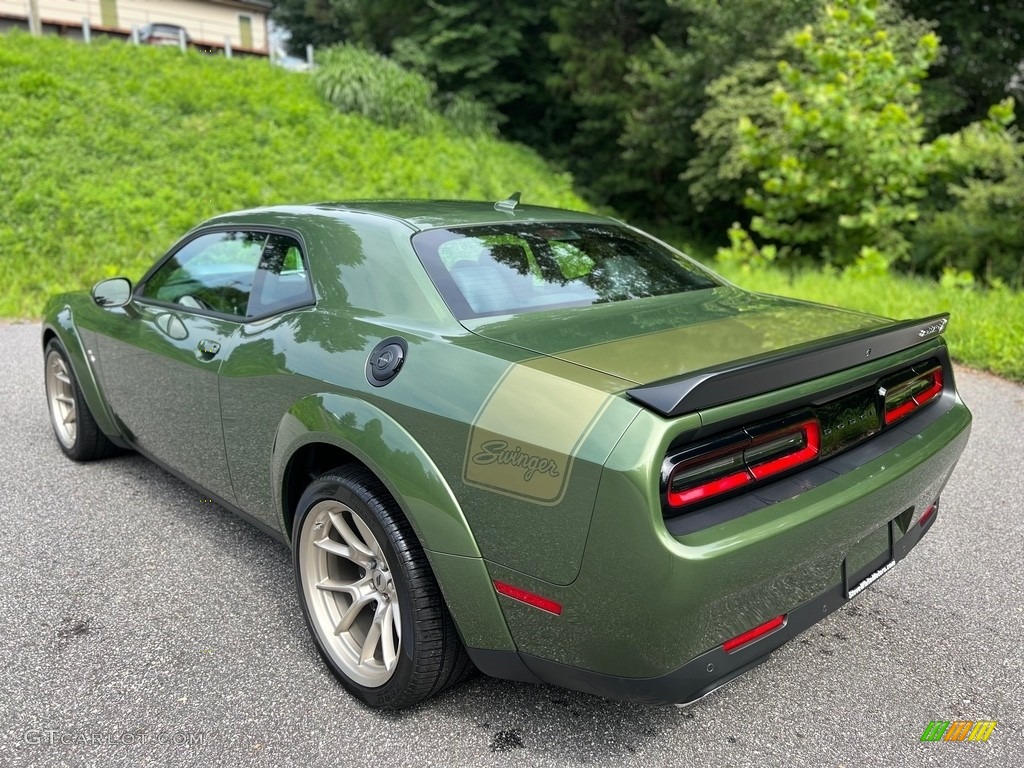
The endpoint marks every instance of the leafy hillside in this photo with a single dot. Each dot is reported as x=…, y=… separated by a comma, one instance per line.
x=110, y=152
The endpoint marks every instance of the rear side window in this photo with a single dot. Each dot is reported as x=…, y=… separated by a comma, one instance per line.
x=513, y=268
x=281, y=280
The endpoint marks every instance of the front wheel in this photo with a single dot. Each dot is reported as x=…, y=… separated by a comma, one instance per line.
x=369, y=597
x=77, y=432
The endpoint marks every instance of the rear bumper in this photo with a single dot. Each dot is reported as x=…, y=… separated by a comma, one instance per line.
x=703, y=674
x=647, y=616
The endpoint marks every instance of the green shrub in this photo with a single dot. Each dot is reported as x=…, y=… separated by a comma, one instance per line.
x=974, y=225
x=845, y=166
x=471, y=117
x=360, y=82
x=832, y=153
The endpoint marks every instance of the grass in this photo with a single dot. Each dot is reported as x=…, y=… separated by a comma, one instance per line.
x=111, y=152
x=986, y=328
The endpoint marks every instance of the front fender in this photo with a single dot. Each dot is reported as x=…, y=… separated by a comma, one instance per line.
x=391, y=453
x=59, y=321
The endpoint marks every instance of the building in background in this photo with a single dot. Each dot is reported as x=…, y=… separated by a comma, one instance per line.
x=211, y=24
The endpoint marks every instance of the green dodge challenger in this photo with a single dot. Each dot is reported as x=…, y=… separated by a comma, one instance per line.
x=533, y=441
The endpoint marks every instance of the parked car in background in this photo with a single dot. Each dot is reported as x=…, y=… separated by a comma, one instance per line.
x=163, y=34
x=536, y=441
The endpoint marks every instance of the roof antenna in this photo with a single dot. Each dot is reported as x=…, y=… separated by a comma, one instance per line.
x=509, y=205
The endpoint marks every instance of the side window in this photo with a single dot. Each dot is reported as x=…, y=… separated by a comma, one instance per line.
x=214, y=272
x=244, y=274
x=281, y=280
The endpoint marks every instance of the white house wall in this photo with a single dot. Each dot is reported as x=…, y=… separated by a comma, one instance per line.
x=205, y=21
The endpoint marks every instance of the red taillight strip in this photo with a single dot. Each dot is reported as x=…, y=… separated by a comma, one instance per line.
x=528, y=597
x=934, y=379
x=710, y=489
x=927, y=514
x=812, y=438
x=754, y=634
x=810, y=431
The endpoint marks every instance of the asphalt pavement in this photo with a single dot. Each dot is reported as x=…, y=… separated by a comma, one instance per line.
x=141, y=625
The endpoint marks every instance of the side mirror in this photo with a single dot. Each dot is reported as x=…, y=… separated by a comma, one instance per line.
x=115, y=292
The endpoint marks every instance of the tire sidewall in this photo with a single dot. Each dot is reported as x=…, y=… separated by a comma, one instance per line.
x=339, y=489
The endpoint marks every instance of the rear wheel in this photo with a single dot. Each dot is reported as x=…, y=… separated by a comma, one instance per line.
x=370, y=599
x=76, y=430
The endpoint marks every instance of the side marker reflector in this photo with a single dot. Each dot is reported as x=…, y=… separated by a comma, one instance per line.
x=528, y=597
x=754, y=634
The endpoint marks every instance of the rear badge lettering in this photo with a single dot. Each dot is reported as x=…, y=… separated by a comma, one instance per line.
x=498, y=452
x=932, y=329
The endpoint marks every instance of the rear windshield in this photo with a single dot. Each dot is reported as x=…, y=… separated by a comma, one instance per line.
x=511, y=268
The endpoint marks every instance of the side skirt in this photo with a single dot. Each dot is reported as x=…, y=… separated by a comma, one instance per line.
x=278, y=536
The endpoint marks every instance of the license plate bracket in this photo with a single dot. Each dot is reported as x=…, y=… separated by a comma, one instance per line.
x=860, y=569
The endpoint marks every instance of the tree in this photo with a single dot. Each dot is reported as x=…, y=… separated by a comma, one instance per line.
x=973, y=225
x=480, y=49
x=836, y=144
x=371, y=23
x=593, y=44
x=487, y=52
x=984, y=42
x=841, y=164
x=669, y=84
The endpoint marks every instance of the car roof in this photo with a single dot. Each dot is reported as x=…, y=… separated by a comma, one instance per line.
x=432, y=214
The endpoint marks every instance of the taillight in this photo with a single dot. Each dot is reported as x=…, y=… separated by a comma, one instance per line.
x=784, y=449
x=747, y=459
x=903, y=398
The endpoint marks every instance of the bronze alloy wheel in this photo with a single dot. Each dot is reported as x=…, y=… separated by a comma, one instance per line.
x=60, y=395
x=74, y=426
x=350, y=592
x=368, y=593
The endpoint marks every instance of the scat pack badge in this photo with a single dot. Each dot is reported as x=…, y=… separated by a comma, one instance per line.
x=937, y=327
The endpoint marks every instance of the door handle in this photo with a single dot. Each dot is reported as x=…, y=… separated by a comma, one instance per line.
x=207, y=349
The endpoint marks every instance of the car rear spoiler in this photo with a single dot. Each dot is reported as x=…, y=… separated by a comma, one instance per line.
x=755, y=376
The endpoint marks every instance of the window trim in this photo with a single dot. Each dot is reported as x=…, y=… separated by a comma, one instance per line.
x=240, y=319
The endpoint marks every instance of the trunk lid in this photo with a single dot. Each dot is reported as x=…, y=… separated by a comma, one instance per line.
x=654, y=339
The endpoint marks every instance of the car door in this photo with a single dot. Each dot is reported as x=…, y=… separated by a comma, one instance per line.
x=160, y=366
x=257, y=382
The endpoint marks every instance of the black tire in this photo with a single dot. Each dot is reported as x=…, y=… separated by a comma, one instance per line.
x=77, y=433
x=424, y=654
